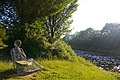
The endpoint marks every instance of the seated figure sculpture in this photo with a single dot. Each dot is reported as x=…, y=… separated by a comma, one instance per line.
x=20, y=60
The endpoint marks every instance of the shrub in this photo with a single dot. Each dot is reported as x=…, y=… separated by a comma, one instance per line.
x=62, y=51
x=43, y=49
x=3, y=36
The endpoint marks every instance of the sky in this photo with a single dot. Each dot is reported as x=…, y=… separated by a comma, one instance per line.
x=95, y=14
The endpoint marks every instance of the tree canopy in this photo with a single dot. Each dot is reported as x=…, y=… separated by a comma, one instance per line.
x=59, y=24
x=30, y=10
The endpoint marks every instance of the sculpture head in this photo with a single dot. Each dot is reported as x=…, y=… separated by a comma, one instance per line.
x=17, y=43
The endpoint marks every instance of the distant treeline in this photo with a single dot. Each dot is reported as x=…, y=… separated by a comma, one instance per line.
x=105, y=41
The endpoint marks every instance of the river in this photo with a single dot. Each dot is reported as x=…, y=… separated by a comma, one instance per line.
x=102, y=61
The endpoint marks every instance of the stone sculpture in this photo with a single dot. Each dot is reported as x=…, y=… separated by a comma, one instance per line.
x=20, y=61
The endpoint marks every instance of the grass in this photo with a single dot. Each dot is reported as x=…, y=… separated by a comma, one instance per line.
x=61, y=70
x=3, y=46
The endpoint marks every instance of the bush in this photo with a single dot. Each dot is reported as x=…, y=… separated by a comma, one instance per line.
x=3, y=36
x=62, y=51
x=43, y=49
x=34, y=48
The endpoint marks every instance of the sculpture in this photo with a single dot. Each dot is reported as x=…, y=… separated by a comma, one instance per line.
x=20, y=61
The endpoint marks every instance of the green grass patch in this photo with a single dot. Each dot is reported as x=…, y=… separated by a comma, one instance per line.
x=65, y=70
x=5, y=66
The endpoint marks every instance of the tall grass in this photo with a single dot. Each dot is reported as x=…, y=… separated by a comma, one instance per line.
x=66, y=70
x=5, y=66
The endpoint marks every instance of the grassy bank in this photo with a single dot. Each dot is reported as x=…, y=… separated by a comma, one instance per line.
x=61, y=70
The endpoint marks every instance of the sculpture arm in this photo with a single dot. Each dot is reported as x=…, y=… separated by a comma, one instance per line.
x=23, y=53
x=12, y=55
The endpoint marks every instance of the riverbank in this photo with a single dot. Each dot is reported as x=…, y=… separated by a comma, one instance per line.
x=103, y=61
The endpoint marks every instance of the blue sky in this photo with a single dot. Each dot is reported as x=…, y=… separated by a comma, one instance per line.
x=95, y=14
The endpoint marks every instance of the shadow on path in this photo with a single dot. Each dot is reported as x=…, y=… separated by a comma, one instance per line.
x=12, y=74
x=7, y=74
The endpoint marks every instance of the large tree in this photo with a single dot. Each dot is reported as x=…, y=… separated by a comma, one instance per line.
x=59, y=24
x=29, y=11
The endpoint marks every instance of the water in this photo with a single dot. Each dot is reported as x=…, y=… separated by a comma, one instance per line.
x=105, y=62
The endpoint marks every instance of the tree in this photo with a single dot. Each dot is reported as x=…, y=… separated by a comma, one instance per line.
x=111, y=27
x=68, y=37
x=30, y=10
x=59, y=24
x=102, y=41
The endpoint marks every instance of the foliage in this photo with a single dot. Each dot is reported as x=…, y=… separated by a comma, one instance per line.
x=3, y=36
x=33, y=38
x=30, y=10
x=37, y=44
x=58, y=25
x=42, y=48
x=34, y=30
x=105, y=41
x=61, y=50
x=30, y=26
